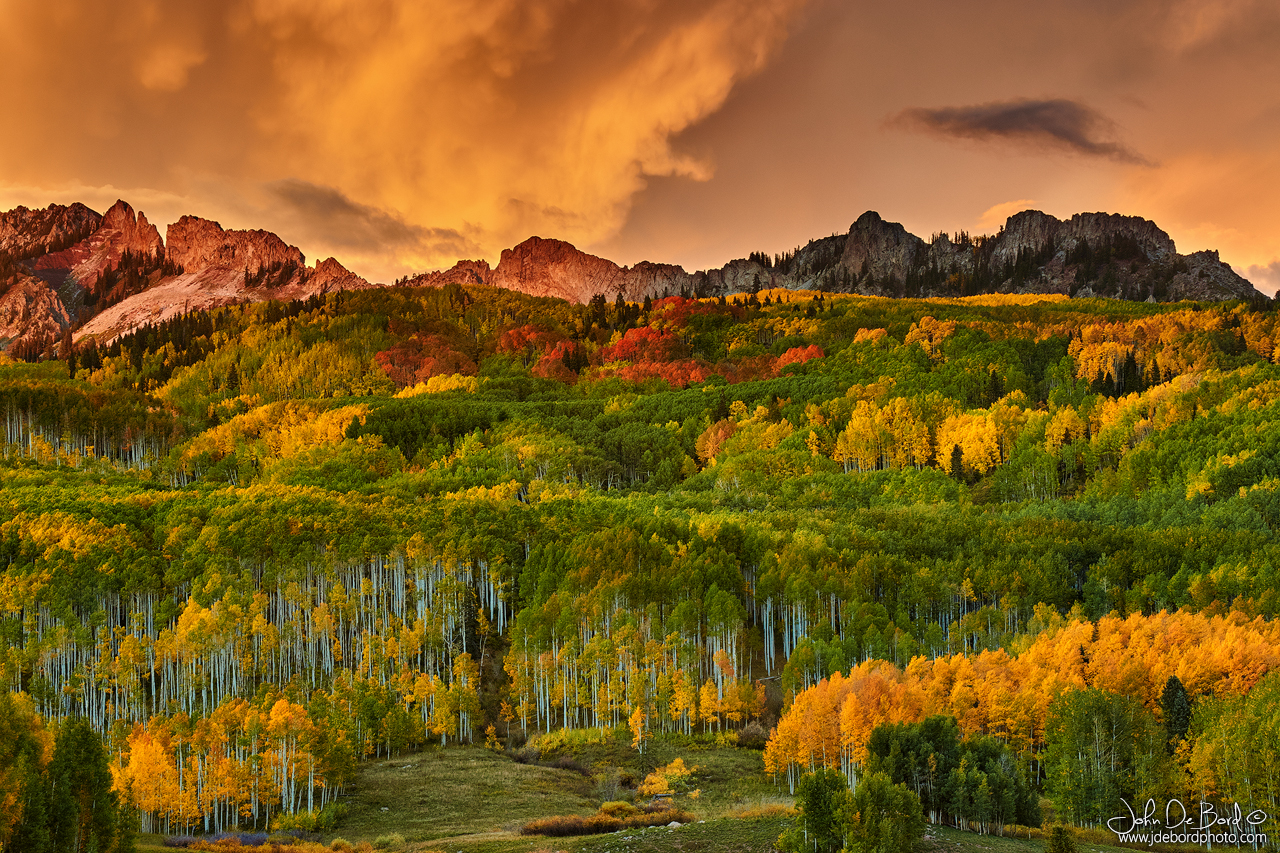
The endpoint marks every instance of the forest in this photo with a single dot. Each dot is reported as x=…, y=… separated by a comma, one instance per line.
x=992, y=547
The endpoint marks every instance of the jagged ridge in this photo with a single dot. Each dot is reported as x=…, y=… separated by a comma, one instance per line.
x=67, y=267
x=1091, y=254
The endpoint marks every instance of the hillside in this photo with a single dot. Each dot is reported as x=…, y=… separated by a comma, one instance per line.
x=257, y=545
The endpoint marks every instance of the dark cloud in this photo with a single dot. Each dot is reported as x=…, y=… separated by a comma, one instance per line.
x=1056, y=123
x=326, y=216
x=1264, y=277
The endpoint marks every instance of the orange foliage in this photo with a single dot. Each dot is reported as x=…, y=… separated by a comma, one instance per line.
x=642, y=344
x=993, y=693
x=799, y=355
x=421, y=357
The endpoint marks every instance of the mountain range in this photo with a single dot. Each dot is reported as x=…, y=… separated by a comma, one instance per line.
x=69, y=270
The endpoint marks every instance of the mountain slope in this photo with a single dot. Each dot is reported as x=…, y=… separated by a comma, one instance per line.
x=68, y=267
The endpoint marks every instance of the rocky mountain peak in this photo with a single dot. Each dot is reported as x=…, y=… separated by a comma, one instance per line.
x=25, y=233
x=544, y=267
x=135, y=232
x=1099, y=227
x=880, y=249
x=120, y=230
x=197, y=244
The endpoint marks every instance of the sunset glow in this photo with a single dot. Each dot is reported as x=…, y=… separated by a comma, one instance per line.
x=401, y=136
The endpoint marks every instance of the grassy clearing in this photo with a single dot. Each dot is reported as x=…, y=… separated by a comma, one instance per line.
x=755, y=835
x=472, y=800
x=151, y=843
x=459, y=791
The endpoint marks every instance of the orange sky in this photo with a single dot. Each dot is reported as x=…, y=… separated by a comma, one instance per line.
x=400, y=135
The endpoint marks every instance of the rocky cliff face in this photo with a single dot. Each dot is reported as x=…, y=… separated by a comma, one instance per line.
x=119, y=231
x=543, y=267
x=106, y=274
x=555, y=268
x=68, y=266
x=198, y=244
x=221, y=267
x=1091, y=254
x=31, y=312
x=878, y=249
x=26, y=233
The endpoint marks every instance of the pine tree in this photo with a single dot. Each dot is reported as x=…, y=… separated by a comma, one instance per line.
x=1176, y=705
x=83, y=807
x=1060, y=841
x=31, y=834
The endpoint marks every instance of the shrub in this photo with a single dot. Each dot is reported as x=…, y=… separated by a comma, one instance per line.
x=617, y=808
x=771, y=810
x=394, y=841
x=1060, y=841
x=753, y=736
x=673, y=778
x=565, y=762
x=317, y=820
x=563, y=825
x=340, y=845
x=562, y=739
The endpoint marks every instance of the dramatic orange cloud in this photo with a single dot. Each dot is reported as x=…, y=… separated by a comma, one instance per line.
x=400, y=134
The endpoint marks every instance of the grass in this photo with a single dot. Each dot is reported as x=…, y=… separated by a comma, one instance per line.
x=151, y=843
x=472, y=800
x=941, y=839
x=459, y=791
x=754, y=835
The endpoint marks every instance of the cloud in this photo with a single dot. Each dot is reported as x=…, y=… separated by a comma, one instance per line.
x=1265, y=278
x=1199, y=24
x=326, y=217
x=432, y=126
x=1056, y=124
x=994, y=217
x=1214, y=198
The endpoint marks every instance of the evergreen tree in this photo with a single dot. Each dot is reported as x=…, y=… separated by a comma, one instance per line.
x=32, y=834
x=1060, y=841
x=83, y=807
x=881, y=817
x=1176, y=705
x=819, y=796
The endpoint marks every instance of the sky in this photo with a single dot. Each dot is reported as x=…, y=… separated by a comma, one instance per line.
x=402, y=135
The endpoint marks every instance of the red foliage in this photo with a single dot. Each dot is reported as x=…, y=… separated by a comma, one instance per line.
x=675, y=311
x=560, y=362
x=644, y=344
x=528, y=339
x=420, y=358
x=799, y=355
x=748, y=369
x=677, y=374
